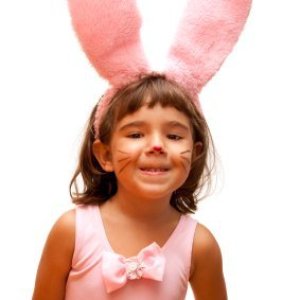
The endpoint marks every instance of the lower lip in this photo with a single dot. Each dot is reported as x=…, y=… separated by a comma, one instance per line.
x=153, y=173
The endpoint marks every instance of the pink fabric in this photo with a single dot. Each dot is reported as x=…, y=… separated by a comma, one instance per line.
x=116, y=269
x=86, y=280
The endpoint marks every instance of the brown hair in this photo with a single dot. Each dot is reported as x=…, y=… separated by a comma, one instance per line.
x=99, y=186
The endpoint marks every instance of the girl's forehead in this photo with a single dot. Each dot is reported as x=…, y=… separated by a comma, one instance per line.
x=155, y=115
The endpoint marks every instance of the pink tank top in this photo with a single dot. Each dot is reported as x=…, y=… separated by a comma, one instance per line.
x=164, y=277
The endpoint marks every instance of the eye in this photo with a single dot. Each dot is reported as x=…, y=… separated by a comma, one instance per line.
x=135, y=135
x=174, y=137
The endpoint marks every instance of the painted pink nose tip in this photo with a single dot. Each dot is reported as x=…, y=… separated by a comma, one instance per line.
x=157, y=148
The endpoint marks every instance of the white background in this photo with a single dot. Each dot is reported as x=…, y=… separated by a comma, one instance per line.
x=48, y=88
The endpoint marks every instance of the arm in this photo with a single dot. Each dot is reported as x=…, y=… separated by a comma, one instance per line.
x=207, y=278
x=56, y=260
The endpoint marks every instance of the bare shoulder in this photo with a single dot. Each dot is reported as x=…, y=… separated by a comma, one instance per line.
x=56, y=260
x=62, y=234
x=207, y=279
x=205, y=245
x=61, y=239
x=65, y=225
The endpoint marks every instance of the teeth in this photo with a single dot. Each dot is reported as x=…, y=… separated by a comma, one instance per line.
x=154, y=170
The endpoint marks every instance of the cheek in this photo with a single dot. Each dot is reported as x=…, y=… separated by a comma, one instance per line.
x=124, y=150
x=185, y=162
x=182, y=156
x=129, y=147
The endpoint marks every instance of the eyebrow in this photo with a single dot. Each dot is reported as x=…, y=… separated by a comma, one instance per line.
x=133, y=124
x=142, y=123
x=178, y=124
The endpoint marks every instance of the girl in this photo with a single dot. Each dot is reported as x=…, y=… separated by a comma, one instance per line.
x=143, y=159
x=140, y=177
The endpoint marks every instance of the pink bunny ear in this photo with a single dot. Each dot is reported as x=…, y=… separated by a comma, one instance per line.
x=205, y=37
x=109, y=32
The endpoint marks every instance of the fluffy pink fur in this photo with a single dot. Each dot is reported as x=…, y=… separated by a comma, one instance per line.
x=102, y=105
x=206, y=35
x=109, y=32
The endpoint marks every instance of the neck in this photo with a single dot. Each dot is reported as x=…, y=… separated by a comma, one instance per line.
x=143, y=209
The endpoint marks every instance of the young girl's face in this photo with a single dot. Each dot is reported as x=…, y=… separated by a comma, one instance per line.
x=150, y=152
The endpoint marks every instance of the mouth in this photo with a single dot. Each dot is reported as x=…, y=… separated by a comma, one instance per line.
x=154, y=171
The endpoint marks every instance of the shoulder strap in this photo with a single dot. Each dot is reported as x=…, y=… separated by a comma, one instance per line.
x=88, y=234
x=181, y=244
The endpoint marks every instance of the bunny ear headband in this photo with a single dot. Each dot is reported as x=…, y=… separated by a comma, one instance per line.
x=109, y=32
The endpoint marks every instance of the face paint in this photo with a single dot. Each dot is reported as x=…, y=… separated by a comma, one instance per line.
x=151, y=151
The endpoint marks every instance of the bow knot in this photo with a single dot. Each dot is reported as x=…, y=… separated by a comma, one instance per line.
x=117, y=270
x=134, y=268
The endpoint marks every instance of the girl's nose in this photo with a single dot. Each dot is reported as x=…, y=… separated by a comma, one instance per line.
x=156, y=145
x=158, y=149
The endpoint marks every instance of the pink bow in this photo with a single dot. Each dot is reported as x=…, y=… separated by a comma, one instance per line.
x=116, y=269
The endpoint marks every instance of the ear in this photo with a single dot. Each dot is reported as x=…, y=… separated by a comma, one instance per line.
x=206, y=35
x=109, y=33
x=197, y=150
x=103, y=155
